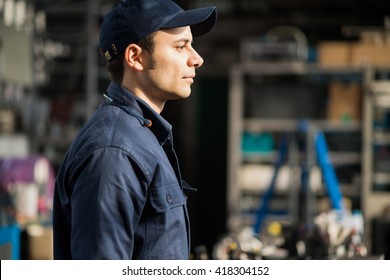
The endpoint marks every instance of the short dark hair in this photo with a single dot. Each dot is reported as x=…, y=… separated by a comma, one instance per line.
x=116, y=68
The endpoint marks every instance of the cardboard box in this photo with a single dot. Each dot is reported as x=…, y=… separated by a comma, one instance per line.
x=370, y=54
x=7, y=121
x=40, y=242
x=345, y=102
x=366, y=52
x=334, y=53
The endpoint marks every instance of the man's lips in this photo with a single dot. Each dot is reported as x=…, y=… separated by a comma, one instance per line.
x=190, y=77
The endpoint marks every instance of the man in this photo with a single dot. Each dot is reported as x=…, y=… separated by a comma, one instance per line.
x=119, y=192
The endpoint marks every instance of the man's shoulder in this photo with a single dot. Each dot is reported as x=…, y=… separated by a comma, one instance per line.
x=112, y=127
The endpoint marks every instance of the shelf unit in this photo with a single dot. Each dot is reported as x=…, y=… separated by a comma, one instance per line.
x=241, y=121
x=376, y=149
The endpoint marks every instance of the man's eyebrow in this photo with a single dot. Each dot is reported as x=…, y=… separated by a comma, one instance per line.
x=185, y=40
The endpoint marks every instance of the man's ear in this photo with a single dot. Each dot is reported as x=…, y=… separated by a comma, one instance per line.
x=133, y=57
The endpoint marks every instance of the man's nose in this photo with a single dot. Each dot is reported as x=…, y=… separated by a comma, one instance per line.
x=195, y=60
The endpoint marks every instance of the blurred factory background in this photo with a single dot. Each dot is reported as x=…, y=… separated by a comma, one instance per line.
x=290, y=111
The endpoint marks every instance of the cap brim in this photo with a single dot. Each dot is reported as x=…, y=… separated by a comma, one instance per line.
x=201, y=20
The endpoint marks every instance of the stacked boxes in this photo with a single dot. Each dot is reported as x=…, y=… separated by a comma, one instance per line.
x=373, y=51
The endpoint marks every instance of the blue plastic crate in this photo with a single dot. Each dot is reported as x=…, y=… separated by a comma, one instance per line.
x=10, y=242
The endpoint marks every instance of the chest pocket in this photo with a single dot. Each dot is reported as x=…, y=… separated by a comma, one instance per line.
x=163, y=199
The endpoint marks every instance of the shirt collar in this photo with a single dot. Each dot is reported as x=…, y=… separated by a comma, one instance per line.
x=160, y=127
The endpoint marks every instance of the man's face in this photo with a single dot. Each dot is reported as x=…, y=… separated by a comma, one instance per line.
x=170, y=69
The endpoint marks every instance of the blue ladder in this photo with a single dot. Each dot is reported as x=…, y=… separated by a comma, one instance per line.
x=328, y=172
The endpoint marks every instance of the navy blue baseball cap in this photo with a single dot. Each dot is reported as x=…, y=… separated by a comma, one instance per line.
x=132, y=20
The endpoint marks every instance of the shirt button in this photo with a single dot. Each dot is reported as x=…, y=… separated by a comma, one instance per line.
x=169, y=198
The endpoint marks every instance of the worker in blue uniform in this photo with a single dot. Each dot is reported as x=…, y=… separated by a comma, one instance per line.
x=119, y=192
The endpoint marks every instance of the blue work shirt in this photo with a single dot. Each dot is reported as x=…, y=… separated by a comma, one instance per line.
x=119, y=192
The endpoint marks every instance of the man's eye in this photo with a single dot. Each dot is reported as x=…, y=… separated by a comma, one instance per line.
x=180, y=47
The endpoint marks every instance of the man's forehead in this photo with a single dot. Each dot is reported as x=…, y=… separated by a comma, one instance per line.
x=174, y=34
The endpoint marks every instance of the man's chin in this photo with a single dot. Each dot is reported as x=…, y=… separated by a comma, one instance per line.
x=181, y=95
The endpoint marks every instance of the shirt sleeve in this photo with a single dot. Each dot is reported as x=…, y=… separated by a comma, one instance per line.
x=110, y=191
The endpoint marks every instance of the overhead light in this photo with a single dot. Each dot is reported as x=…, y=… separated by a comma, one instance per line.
x=9, y=12
x=40, y=22
x=20, y=13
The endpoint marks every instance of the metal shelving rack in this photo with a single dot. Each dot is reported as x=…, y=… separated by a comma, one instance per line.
x=239, y=124
x=376, y=180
